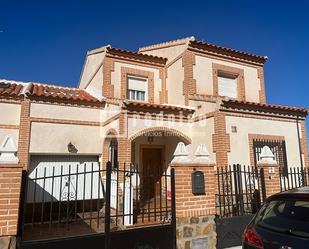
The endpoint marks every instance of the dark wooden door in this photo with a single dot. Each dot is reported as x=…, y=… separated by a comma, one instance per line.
x=152, y=171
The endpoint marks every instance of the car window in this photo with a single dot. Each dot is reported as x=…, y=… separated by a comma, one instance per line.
x=287, y=216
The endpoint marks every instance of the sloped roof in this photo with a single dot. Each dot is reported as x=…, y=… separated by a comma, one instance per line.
x=139, y=104
x=228, y=51
x=65, y=93
x=136, y=55
x=10, y=88
x=263, y=107
x=206, y=46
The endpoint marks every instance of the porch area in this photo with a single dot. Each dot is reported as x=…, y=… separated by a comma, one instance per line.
x=93, y=199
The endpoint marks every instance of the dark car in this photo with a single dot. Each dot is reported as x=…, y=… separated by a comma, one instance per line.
x=281, y=223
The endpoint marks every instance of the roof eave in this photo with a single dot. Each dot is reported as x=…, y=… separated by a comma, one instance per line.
x=236, y=54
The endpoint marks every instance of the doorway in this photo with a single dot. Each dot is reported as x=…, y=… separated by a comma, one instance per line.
x=152, y=161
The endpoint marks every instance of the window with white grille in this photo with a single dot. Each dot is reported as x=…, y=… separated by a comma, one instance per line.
x=137, y=88
x=227, y=85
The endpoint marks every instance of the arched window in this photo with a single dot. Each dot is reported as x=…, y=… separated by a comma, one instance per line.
x=113, y=153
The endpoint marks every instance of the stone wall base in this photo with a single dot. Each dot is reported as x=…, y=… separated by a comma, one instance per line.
x=196, y=232
x=8, y=242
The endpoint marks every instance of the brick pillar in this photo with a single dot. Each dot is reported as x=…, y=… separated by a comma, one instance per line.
x=10, y=187
x=124, y=144
x=24, y=134
x=124, y=152
x=272, y=178
x=195, y=213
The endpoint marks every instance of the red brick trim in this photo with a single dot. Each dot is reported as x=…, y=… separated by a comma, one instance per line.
x=10, y=100
x=262, y=95
x=126, y=71
x=189, y=83
x=108, y=121
x=64, y=121
x=303, y=143
x=220, y=139
x=8, y=126
x=163, y=94
x=239, y=73
x=108, y=68
x=10, y=186
x=24, y=134
x=124, y=145
x=251, y=137
x=175, y=132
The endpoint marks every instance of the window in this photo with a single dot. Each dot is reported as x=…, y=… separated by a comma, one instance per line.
x=137, y=88
x=227, y=85
x=276, y=146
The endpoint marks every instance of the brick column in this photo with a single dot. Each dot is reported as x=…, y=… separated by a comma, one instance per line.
x=195, y=213
x=24, y=134
x=124, y=144
x=10, y=188
x=272, y=178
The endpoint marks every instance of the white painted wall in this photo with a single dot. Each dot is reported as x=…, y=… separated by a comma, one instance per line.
x=174, y=83
x=202, y=72
x=92, y=63
x=240, y=142
x=9, y=114
x=56, y=111
x=54, y=138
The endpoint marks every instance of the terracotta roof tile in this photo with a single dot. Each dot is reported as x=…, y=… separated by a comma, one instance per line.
x=229, y=51
x=265, y=106
x=157, y=106
x=10, y=89
x=136, y=55
x=65, y=93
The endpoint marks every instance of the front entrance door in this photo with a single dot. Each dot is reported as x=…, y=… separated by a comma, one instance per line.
x=152, y=162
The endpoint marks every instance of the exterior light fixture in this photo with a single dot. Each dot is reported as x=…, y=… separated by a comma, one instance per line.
x=150, y=139
x=72, y=148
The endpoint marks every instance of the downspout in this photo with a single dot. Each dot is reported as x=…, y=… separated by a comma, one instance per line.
x=299, y=144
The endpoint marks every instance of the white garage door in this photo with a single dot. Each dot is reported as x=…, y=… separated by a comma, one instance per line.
x=62, y=178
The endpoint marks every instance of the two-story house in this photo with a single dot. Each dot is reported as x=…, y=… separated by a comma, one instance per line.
x=184, y=100
x=137, y=106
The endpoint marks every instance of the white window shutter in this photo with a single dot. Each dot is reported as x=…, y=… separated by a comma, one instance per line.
x=227, y=87
x=137, y=84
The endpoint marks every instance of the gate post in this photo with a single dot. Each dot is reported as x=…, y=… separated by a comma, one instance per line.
x=173, y=207
x=107, y=217
x=271, y=179
x=10, y=196
x=195, y=225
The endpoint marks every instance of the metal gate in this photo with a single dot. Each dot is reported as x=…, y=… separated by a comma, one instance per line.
x=241, y=192
x=86, y=206
x=293, y=177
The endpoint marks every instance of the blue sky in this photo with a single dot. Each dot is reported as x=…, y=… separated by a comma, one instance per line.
x=46, y=41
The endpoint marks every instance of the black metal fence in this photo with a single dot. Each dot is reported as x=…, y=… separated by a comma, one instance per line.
x=241, y=190
x=82, y=200
x=293, y=177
